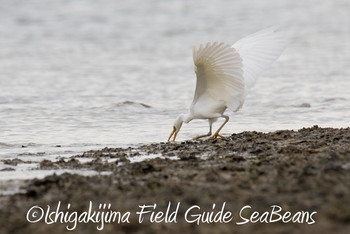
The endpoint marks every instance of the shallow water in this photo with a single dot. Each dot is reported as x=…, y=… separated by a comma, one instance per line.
x=79, y=75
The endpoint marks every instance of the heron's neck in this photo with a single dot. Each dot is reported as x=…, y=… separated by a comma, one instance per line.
x=186, y=117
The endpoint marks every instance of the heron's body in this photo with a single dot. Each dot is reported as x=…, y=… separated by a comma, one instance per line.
x=224, y=74
x=206, y=107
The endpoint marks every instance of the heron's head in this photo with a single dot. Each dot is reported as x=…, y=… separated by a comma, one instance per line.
x=176, y=128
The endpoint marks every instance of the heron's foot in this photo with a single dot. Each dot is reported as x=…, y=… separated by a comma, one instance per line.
x=196, y=138
x=216, y=135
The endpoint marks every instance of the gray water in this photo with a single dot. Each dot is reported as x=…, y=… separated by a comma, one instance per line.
x=84, y=74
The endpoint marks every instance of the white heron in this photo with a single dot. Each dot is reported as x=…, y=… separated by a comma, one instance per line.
x=225, y=73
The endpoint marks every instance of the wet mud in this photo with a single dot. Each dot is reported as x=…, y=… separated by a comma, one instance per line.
x=306, y=170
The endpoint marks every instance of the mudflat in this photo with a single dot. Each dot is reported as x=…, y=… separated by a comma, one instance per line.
x=258, y=177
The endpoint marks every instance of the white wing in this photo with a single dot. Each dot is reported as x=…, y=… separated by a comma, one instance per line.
x=219, y=73
x=258, y=51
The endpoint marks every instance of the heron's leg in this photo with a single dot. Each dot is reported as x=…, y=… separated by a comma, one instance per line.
x=197, y=138
x=216, y=134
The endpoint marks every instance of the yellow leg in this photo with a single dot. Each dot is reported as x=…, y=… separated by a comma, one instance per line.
x=198, y=138
x=216, y=134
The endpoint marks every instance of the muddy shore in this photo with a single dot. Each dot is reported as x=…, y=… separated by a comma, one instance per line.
x=306, y=170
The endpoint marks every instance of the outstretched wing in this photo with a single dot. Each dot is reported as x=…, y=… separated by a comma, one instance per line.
x=258, y=51
x=219, y=73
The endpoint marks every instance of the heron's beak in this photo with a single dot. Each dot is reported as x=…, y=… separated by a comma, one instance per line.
x=173, y=133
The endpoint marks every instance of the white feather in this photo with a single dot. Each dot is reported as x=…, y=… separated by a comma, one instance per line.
x=219, y=73
x=258, y=51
